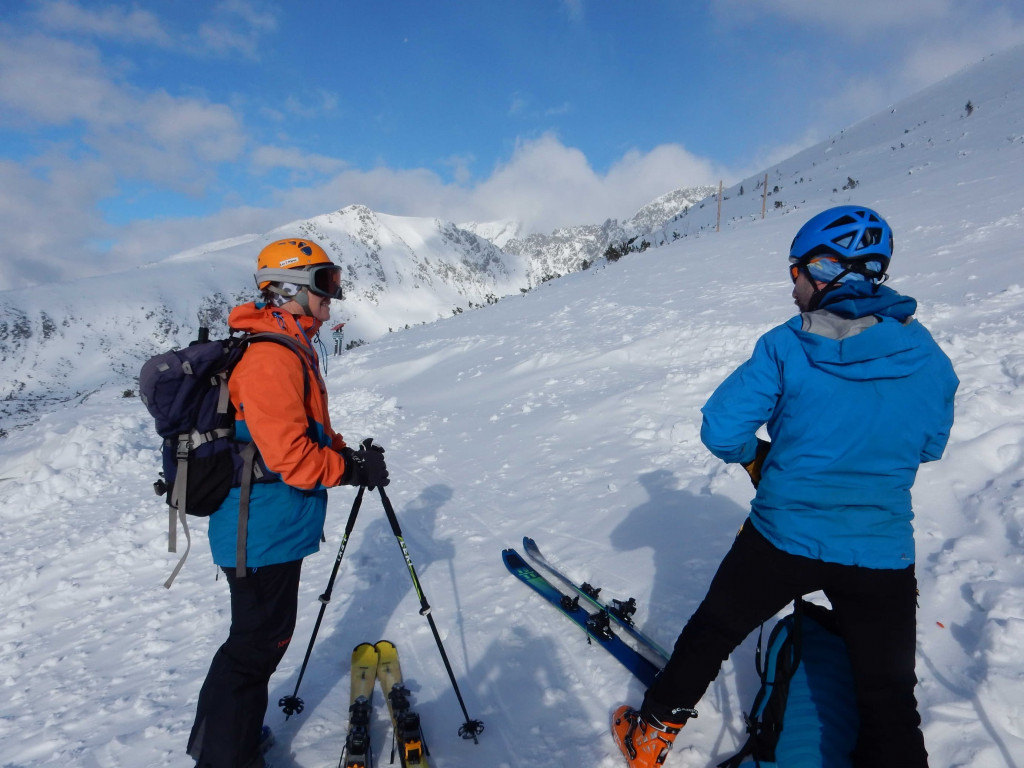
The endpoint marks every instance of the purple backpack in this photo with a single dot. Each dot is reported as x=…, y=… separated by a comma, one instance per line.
x=186, y=393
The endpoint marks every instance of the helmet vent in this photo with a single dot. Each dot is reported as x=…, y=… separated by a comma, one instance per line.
x=842, y=221
x=872, y=236
x=844, y=241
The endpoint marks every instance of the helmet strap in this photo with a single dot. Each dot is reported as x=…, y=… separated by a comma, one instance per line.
x=302, y=299
x=820, y=293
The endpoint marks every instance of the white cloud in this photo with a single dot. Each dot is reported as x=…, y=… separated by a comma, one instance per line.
x=154, y=239
x=461, y=167
x=55, y=82
x=927, y=61
x=545, y=184
x=210, y=133
x=236, y=27
x=154, y=137
x=922, y=62
x=294, y=159
x=517, y=105
x=410, y=192
x=903, y=47
x=134, y=25
x=769, y=156
x=549, y=185
x=48, y=219
x=574, y=8
x=842, y=17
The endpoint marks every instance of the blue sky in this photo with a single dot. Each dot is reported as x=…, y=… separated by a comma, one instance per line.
x=131, y=131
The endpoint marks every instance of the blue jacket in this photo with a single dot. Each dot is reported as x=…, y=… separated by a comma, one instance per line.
x=855, y=396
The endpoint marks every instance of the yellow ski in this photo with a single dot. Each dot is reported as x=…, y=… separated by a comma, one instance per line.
x=357, y=744
x=408, y=736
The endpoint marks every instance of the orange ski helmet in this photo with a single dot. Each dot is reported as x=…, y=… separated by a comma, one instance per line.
x=287, y=254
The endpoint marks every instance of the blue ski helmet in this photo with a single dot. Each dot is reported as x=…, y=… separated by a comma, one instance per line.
x=857, y=238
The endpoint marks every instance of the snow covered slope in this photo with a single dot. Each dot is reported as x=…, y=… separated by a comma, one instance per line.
x=570, y=414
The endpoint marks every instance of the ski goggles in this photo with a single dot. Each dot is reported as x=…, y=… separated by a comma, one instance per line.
x=322, y=279
x=795, y=265
x=325, y=280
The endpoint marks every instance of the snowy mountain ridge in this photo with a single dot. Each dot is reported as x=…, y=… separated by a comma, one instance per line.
x=399, y=272
x=570, y=249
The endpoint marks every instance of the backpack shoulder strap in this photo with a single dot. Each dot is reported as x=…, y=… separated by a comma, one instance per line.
x=284, y=341
x=248, y=461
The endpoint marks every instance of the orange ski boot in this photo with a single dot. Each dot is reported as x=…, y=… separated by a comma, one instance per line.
x=645, y=743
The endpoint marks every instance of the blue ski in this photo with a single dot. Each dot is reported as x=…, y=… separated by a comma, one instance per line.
x=595, y=625
x=621, y=612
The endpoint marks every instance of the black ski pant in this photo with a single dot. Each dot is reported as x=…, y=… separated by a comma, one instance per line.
x=233, y=699
x=876, y=612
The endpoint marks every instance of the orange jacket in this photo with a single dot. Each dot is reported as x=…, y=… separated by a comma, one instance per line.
x=294, y=437
x=267, y=391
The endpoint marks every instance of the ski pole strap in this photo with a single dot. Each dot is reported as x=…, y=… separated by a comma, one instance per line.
x=248, y=460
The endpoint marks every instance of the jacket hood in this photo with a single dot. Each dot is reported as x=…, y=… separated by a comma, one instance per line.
x=893, y=347
x=860, y=299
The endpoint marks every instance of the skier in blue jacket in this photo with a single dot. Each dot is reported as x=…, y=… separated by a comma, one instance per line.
x=855, y=395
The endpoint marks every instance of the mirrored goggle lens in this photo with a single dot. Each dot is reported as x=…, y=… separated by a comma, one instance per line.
x=326, y=281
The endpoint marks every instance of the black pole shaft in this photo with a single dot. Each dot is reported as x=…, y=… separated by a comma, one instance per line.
x=292, y=704
x=471, y=728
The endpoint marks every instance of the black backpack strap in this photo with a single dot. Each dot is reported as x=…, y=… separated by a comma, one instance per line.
x=797, y=632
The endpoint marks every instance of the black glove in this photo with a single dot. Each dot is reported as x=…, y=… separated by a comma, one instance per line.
x=365, y=466
x=754, y=467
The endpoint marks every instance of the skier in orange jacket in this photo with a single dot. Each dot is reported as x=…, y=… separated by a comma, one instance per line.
x=281, y=405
